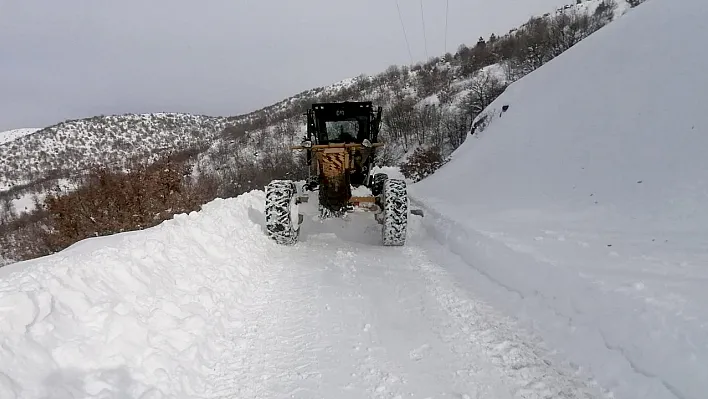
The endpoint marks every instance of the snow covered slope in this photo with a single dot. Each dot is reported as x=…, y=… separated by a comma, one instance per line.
x=77, y=145
x=585, y=205
x=206, y=306
x=10, y=135
x=76, y=324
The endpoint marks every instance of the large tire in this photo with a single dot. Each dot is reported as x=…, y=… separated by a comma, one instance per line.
x=395, y=212
x=377, y=183
x=281, y=213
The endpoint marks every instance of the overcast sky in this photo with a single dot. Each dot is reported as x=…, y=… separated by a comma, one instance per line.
x=66, y=59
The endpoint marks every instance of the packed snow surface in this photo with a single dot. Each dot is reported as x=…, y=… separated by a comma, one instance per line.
x=206, y=306
x=584, y=206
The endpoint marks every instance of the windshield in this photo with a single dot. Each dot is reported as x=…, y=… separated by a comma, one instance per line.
x=342, y=131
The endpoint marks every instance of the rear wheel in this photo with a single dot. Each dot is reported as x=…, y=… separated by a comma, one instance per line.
x=281, y=212
x=395, y=212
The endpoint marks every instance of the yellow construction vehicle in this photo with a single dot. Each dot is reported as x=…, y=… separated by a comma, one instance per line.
x=341, y=143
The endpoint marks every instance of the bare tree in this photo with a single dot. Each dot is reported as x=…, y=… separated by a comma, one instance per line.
x=401, y=121
x=7, y=211
x=430, y=126
x=284, y=130
x=484, y=89
x=431, y=79
x=455, y=126
x=566, y=30
x=604, y=13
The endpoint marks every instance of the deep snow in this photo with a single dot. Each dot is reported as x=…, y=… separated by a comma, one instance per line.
x=205, y=306
x=584, y=206
x=136, y=315
x=579, y=212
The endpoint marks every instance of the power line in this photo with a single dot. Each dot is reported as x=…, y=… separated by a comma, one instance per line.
x=425, y=35
x=447, y=12
x=405, y=35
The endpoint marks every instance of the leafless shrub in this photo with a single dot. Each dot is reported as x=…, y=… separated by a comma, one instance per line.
x=422, y=163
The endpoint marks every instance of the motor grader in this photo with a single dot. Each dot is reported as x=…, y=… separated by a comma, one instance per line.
x=340, y=145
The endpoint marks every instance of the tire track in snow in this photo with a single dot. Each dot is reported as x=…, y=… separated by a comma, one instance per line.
x=342, y=317
x=287, y=346
x=519, y=355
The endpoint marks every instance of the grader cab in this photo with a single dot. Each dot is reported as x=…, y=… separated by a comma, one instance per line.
x=340, y=145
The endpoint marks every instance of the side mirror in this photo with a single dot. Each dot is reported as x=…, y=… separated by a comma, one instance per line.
x=307, y=144
x=366, y=143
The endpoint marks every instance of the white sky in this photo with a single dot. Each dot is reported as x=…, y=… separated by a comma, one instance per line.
x=78, y=58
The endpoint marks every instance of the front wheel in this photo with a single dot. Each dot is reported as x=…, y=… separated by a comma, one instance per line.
x=395, y=212
x=281, y=212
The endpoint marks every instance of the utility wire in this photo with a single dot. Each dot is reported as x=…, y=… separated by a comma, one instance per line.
x=425, y=35
x=405, y=35
x=447, y=12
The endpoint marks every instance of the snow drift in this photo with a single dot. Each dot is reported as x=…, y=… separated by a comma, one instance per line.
x=585, y=204
x=141, y=313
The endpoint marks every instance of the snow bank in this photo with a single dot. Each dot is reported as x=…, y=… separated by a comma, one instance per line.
x=139, y=315
x=585, y=205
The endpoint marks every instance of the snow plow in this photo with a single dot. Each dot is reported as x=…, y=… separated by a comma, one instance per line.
x=340, y=145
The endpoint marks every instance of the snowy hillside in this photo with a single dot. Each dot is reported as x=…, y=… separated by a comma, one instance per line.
x=431, y=103
x=77, y=145
x=15, y=134
x=584, y=206
x=428, y=106
x=506, y=19
x=105, y=140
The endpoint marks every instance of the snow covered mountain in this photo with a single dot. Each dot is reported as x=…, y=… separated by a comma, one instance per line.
x=15, y=134
x=103, y=140
x=428, y=106
x=584, y=206
x=108, y=140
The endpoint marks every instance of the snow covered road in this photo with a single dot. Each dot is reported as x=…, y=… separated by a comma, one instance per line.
x=344, y=317
x=205, y=306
